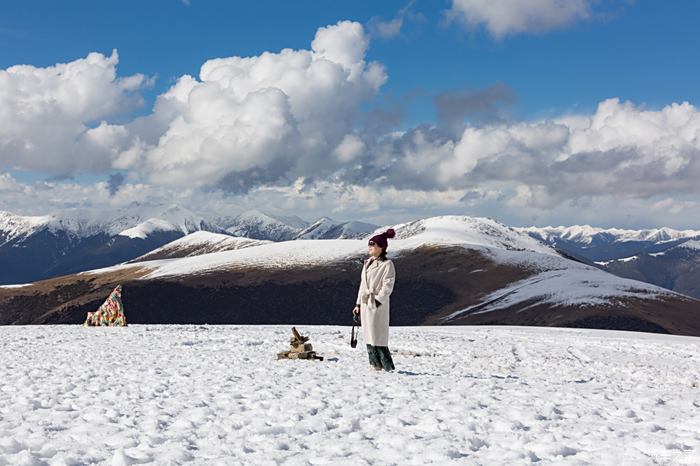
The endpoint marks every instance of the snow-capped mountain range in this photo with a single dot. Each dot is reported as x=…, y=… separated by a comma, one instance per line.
x=45, y=246
x=40, y=247
x=663, y=256
x=453, y=270
x=600, y=244
x=587, y=234
x=474, y=233
x=150, y=220
x=83, y=224
x=676, y=268
x=327, y=228
x=263, y=226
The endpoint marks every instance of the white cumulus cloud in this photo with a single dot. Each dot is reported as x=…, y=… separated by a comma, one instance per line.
x=55, y=118
x=265, y=117
x=622, y=150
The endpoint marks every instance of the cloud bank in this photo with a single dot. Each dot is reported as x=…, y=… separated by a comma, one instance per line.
x=282, y=130
x=621, y=149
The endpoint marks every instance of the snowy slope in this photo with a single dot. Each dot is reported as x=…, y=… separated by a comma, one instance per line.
x=150, y=226
x=198, y=243
x=274, y=255
x=478, y=231
x=580, y=286
x=460, y=395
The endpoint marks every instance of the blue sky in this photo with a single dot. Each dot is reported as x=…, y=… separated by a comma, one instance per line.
x=641, y=52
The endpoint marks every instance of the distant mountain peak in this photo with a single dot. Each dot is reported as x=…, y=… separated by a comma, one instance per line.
x=588, y=234
x=327, y=228
x=266, y=217
x=13, y=226
x=171, y=218
x=257, y=224
x=478, y=231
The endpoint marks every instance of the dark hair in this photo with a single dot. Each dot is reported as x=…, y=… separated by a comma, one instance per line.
x=382, y=256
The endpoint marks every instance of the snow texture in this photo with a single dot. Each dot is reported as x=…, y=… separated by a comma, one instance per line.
x=208, y=242
x=692, y=244
x=271, y=255
x=216, y=395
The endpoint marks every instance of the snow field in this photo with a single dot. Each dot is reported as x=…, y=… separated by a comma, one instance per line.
x=460, y=395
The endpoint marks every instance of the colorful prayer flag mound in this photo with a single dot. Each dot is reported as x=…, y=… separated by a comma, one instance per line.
x=110, y=314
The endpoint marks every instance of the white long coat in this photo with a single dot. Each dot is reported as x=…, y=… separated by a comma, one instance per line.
x=377, y=282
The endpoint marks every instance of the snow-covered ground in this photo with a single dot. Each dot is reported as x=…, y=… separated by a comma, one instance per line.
x=460, y=395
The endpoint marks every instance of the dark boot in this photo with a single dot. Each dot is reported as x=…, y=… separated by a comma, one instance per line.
x=374, y=358
x=385, y=358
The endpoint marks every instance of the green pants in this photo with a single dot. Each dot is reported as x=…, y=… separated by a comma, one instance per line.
x=379, y=356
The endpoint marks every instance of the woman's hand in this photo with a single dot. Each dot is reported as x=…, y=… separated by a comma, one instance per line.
x=356, y=311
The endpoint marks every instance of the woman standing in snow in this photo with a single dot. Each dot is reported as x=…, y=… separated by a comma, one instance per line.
x=373, y=303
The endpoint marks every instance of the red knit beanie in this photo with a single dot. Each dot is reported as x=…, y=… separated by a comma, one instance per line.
x=380, y=239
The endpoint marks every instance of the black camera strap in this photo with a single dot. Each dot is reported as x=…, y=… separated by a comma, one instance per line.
x=353, y=335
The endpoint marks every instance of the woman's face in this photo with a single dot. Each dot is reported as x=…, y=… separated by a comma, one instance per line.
x=373, y=249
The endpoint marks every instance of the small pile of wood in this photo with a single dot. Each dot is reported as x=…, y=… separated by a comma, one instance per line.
x=300, y=348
